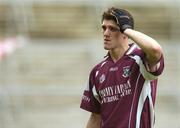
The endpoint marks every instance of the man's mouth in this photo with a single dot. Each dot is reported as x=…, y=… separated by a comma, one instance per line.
x=106, y=40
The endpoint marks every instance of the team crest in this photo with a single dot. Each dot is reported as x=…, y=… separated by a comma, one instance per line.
x=126, y=71
x=102, y=78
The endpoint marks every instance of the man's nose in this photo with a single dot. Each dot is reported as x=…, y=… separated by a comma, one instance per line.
x=107, y=32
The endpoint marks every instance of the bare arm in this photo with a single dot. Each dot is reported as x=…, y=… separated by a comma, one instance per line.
x=94, y=121
x=151, y=48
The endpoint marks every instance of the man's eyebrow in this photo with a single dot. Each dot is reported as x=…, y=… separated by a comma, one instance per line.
x=104, y=26
x=108, y=26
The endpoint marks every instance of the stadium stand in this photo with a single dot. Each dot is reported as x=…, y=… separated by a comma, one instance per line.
x=56, y=20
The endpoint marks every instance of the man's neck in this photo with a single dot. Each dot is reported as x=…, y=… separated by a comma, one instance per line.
x=117, y=53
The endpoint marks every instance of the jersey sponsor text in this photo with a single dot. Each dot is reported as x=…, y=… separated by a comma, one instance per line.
x=113, y=93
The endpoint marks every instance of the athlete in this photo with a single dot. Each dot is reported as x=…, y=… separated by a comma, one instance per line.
x=121, y=90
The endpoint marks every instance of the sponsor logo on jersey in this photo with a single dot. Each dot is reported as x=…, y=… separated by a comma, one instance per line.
x=113, y=69
x=102, y=78
x=126, y=71
x=86, y=98
x=115, y=92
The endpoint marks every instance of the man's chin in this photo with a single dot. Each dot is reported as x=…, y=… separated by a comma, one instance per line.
x=107, y=48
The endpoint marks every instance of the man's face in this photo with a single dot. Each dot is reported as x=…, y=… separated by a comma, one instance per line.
x=111, y=35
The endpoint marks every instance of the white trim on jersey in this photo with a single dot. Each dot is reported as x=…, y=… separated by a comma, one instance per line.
x=132, y=105
x=152, y=113
x=103, y=63
x=145, y=93
x=132, y=48
x=95, y=94
x=97, y=72
x=147, y=75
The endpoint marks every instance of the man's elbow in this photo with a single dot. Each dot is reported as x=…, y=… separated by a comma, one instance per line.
x=157, y=52
x=154, y=55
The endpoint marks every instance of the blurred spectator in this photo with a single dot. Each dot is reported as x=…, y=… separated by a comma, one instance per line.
x=9, y=45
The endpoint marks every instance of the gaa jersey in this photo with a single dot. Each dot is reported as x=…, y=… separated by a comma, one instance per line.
x=123, y=92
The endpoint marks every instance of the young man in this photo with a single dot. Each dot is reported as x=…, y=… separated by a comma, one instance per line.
x=122, y=88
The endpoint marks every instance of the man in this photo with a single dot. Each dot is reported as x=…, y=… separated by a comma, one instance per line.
x=122, y=88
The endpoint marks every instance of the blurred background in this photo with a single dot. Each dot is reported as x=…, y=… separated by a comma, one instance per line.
x=48, y=47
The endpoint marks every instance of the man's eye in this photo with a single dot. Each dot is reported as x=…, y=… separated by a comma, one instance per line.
x=113, y=29
x=103, y=28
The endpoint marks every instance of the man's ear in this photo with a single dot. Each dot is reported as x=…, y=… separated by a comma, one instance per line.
x=125, y=36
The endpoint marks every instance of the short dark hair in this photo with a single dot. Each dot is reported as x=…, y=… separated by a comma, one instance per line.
x=107, y=15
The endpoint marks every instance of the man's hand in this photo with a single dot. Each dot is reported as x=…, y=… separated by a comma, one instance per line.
x=123, y=20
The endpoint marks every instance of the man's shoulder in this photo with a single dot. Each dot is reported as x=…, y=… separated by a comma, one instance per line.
x=100, y=64
x=135, y=50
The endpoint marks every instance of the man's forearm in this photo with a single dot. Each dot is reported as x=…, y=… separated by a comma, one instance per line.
x=151, y=48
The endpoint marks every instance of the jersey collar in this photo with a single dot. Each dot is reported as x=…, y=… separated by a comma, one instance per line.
x=130, y=50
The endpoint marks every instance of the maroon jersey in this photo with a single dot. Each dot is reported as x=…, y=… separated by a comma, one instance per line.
x=123, y=92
